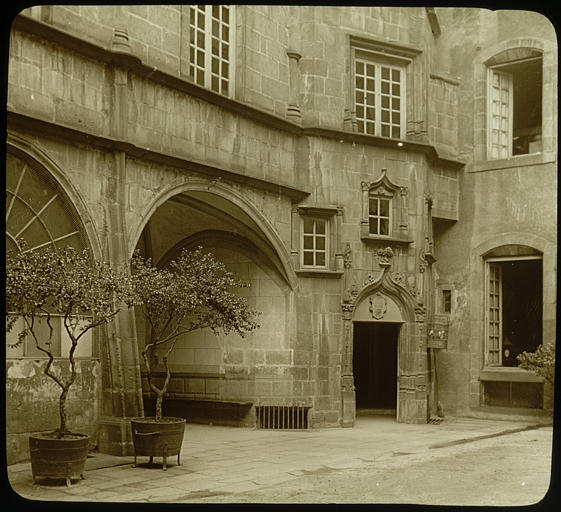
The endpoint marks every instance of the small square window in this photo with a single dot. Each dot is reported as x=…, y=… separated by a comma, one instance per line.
x=379, y=216
x=314, y=242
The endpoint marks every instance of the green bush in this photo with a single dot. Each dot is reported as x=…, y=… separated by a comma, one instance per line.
x=195, y=292
x=541, y=362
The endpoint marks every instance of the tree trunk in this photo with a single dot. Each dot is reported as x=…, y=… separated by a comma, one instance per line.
x=62, y=411
x=159, y=401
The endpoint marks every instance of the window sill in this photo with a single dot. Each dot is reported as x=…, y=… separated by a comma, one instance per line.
x=326, y=274
x=508, y=374
x=514, y=161
x=388, y=239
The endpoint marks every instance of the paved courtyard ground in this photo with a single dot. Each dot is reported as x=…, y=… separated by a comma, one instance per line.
x=461, y=461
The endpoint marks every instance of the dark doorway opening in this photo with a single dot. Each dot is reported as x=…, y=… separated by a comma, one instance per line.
x=375, y=366
x=522, y=308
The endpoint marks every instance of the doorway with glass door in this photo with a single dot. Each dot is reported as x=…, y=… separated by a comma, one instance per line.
x=375, y=367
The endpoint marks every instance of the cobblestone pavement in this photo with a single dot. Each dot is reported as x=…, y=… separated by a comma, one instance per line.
x=220, y=463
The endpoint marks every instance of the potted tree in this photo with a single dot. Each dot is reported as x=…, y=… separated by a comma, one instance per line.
x=196, y=291
x=67, y=286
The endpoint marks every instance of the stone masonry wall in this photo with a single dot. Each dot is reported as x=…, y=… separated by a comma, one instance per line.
x=32, y=402
x=512, y=201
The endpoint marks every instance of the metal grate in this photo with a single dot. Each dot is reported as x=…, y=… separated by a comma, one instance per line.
x=282, y=417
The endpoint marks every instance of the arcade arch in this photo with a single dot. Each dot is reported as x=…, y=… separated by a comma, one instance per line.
x=204, y=364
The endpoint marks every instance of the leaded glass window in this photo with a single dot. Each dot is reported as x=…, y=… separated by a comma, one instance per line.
x=210, y=46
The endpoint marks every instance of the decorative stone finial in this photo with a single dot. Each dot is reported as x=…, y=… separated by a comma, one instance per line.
x=384, y=256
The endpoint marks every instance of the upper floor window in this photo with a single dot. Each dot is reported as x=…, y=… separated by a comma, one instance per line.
x=514, y=113
x=379, y=216
x=314, y=242
x=384, y=211
x=379, y=97
x=378, y=74
x=211, y=31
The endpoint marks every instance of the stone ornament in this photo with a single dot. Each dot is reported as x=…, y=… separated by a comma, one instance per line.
x=378, y=306
x=347, y=257
x=385, y=256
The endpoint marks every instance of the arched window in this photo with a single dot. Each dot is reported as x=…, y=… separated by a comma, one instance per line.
x=37, y=211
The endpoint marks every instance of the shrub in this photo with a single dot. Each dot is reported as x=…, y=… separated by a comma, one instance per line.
x=541, y=362
x=195, y=292
x=66, y=283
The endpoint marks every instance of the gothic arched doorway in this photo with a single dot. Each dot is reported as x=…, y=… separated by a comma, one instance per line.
x=384, y=334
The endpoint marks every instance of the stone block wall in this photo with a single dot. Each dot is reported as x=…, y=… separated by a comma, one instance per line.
x=32, y=402
x=174, y=123
x=57, y=85
x=263, y=68
x=443, y=112
x=509, y=201
x=147, y=132
x=323, y=86
x=445, y=193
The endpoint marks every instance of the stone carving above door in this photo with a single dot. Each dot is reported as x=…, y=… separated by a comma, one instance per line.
x=378, y=305
x=385, y=257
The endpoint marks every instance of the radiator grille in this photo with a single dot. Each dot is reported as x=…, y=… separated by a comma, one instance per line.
x=282, y=417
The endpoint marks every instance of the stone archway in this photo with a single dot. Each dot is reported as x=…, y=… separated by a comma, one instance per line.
x=221, y=376
x=383, y=298
x=224, y=202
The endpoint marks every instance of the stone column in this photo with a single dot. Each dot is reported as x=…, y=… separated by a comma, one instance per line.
x=336, y=236
x=348, y=395
x=293, y=112
x=293, y=109
x=121, y=384
x=404, y=211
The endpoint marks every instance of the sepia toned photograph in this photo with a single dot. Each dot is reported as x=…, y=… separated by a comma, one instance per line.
x=280, y=254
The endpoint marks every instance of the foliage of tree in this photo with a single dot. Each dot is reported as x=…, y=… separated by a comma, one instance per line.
x=196, y=291
x=541, y=362
x=44, y=285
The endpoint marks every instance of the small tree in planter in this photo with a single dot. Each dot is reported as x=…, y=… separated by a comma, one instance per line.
x=195, y=292
x=41, y=288
x=541, y=362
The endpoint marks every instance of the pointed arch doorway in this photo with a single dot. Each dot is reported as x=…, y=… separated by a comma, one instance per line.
x=398, y=351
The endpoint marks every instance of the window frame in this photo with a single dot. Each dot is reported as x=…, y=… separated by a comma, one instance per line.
x=486, y=345
x=398, y=223
x=497, y=69
x=492, y=71
x=209, y=54
x=380, y=196
x=314, y=235
x=333, y=215
x=380, y=60
x=446, y=298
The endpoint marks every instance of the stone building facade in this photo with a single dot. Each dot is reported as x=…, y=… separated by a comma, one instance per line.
x=383, y=177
